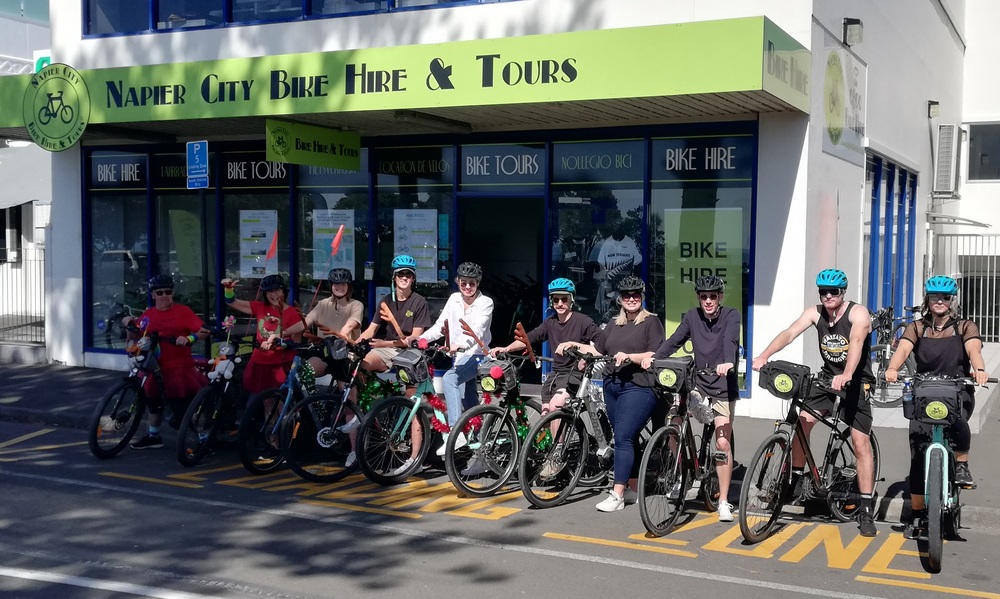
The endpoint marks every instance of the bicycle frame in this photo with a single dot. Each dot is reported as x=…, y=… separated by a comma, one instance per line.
x=820, y=480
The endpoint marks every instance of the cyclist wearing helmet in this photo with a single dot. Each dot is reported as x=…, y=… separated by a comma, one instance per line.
x=407, y=307
x=338, y=313
x=278, y=326
x=629, y=339
x=563, y=326
x=943, y=344
x=714, y=331
x=844, y=330
x=178, y=327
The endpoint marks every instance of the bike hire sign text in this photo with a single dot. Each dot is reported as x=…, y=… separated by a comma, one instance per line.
x=747, y=54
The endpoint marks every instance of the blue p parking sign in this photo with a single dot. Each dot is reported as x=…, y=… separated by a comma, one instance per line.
x=197, y=159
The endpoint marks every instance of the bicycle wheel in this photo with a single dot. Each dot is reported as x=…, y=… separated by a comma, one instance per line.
x=258, y=444
x=313, y=446
x=890, y=395
x=116, y=419
x=385, y=441
x=196, y=434
x=550, y=466
x=843, y=484
x=662, y=481
x=488, y=459
x=935, y=510
x=761, y=495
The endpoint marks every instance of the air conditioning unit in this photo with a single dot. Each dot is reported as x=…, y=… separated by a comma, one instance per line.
x=946, y=159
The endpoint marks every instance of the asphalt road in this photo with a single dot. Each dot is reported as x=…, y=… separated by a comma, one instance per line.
x=140, y=525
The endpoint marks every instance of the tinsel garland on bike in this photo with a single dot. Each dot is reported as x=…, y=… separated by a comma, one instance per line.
x=439, y=420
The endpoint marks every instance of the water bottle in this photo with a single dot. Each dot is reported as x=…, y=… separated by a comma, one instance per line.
x=908, y=400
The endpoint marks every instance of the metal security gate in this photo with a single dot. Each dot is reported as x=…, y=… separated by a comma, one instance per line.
x=974, y=260
x=22, y=296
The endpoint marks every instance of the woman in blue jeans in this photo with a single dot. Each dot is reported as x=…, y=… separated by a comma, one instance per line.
x=631, y=337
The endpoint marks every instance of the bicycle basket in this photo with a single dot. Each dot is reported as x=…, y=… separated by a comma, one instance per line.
x=411, y=366
x=783, y=379
x=672, y=373
x=937, y=401
x=497, y=375
x=336, y=348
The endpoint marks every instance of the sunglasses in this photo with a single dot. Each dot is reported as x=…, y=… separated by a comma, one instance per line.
x=468, y=283
x=162, y=292
x=708, y=296
x=938, y=297
x=559, y=299
x=405, y=275
x=834, y=291
x=631, y=295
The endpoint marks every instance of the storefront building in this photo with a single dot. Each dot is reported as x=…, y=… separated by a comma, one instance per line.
x=540, y=139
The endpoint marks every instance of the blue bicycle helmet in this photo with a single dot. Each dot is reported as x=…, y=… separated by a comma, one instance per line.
x=404, y=262
x=271, y=282
x=832, y=277
x=941, y=284
x=562, y=285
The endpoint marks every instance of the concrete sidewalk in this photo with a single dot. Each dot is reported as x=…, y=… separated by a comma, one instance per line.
x=66, y=396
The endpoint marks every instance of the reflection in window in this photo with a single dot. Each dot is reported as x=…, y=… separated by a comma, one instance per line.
x=984, y=152
x=119, y=269
x=174, y=14
x=117, y=16
x=322, y=212
x=332, y=7
x=250, y=221
x=184, y=238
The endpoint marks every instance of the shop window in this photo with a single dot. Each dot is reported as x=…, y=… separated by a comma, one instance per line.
x=185, y=244
x=332, y=7
x=175, y=14
x=10, y=242
x=266, y=10
x=984, y=152
x=597, y=220
x=117, y=16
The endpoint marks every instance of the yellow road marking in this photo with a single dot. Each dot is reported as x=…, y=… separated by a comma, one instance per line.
x=361, y=508
x=199, y=475
x=41, y=448
x=619, y=544
x=17, y=440
x=146, y=479
x=923, y=586
x=645, y=536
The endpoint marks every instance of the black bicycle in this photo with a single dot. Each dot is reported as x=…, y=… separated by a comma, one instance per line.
x=888, y=329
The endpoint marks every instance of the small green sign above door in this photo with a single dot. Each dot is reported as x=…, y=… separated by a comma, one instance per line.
x=295, y=143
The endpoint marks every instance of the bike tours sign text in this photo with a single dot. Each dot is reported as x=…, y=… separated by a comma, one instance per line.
x=56, y=107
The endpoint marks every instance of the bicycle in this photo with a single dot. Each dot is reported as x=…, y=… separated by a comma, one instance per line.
x=888, y=329
x=551, y=465
x=937, y=401
x=312, y=439
x=767, y=485
x=215, y=406
x=482, y=459
x=55, y=106
x=675, y=457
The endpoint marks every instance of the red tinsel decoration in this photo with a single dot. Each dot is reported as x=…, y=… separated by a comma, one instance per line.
x=439, y=406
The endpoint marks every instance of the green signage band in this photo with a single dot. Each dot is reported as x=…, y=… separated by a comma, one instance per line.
x=296, y=143
x=709, y=57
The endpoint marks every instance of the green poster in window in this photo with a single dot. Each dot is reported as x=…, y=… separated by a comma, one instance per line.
x=185, y=228
x=701, y=241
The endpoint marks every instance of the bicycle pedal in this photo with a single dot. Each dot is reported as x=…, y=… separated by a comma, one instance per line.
x=720, y=457
x=849, y=472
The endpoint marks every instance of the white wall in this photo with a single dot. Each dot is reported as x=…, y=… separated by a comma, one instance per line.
x=64, y=263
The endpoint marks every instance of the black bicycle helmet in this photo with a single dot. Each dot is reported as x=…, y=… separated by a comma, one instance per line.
x=161, y=282
x=340, y=275
x=271, y=282
x=631, y=283
x=470, y=270
x=709, y=283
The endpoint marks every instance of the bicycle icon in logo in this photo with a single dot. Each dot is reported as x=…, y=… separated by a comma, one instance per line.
x=55, y=107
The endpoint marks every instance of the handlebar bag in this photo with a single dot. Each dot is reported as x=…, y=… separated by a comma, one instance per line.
x=784, y=380
x=411, y=366
x=937, y=401
x=490, y=382
x=672, y=373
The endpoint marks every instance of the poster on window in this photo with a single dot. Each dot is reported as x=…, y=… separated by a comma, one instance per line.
x=416, y=233
x=698, y=242
x=258, y=233
x=326, y=223
x=185, y=228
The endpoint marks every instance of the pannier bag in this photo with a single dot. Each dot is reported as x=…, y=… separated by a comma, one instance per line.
x=783, y=379
x=672, y=373
x=336, y=348
x=411, y=366
x=497, y=376
x=937, y=401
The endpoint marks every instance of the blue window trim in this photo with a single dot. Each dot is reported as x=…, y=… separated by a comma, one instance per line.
x=887, y=246
x=911, y=239
x=873, y=234
x=899, y=283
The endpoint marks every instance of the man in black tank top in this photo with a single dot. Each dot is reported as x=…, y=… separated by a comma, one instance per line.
x=844, y=335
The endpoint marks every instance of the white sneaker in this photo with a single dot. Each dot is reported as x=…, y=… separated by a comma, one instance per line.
x=444, y=446
x=350, y=425
x=406, y=466
x=475, y=467
x=612, y=503
x=351, y=459
x=725, y=511
x=630, y=496
x=460, y=442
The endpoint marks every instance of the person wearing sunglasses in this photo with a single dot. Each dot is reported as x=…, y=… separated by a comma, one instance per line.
x=629, y=339
x=844, y=335
x=714, y=332
x=947, y=345
x=407, y=307
x=178, y=327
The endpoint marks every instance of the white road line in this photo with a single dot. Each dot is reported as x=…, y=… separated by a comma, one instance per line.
x=103, y=585
x=747, y=582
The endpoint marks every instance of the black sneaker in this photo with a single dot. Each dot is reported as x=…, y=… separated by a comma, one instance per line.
x=148, y=442
x=963, y=477
x=916, y=528
x=866, y=523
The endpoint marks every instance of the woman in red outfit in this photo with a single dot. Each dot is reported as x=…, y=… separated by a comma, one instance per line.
x=278, y=326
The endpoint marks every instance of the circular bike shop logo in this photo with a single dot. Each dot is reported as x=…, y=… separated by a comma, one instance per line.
x=56, y=107
x=281, y=140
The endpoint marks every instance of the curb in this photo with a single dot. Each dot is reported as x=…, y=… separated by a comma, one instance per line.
x=31, y=416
